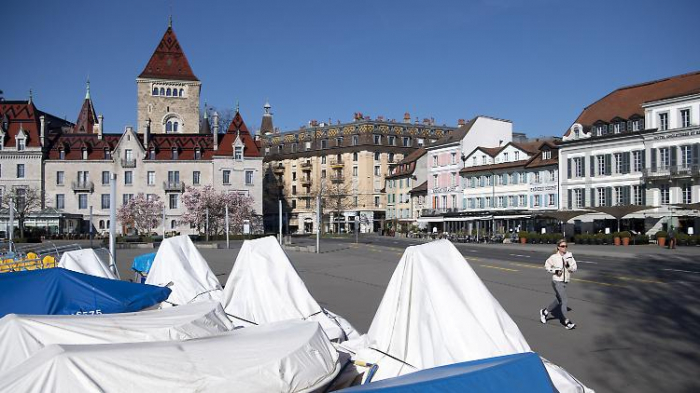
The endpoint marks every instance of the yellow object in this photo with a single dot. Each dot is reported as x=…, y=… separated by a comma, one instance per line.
x=32, y=255
x=49, y=261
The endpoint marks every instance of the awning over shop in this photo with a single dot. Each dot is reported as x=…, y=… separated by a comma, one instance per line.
x=515, y=216
x=431, y=219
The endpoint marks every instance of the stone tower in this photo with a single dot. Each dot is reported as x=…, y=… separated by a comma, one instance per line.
x=168, y=90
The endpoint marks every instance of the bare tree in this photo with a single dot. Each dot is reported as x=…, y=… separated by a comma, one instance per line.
x=336, y=197
x=24, y=201
x=226, y=115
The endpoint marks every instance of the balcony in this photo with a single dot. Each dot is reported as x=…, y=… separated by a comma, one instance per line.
x=671, y=172
x=305, y=166
x=337, y=178
x=306, y=182
x=438, y=212
x=128, y=163
x=279, y=169
x=174, y=186
x=82, y=186
x=337, y=164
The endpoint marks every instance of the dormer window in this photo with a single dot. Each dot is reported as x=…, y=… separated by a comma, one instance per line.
x=547, y=154
x=600, y=130
x=173, y=153
x=238, y=153
x=62, y=154
x=21, y=144
x=505, y=157
x=107, y=154
x=152, y=154
x=197, y=154
x=84, y=153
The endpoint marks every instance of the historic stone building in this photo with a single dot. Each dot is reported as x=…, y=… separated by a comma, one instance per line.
x=347, y=163
x=169, y=151
x=402, y=210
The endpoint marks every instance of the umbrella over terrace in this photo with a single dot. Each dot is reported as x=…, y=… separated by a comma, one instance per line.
x=563, y=215
x=688, y=206
x=620, y=211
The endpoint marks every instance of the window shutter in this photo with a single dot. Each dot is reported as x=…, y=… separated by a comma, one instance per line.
x=583, y=197
x=653, y=160
x=532, y=201
x=696, y=153
x=505, y=201
x=628, y=197
x=629, y=125
x=626, y=162
x=592, y=197
x=608, y=162
x=644, y=159
x=643, y=190
x=568, y=168
x=608, y=196
x=674, y=155
x=592, y=166
x=569, y=193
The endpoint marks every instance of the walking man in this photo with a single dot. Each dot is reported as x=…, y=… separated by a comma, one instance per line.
x=561, y=264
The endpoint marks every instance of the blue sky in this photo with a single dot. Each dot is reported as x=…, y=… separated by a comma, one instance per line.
x=535, y=62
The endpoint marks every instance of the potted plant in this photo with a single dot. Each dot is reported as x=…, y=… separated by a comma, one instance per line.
x=661, y=238
x=683, y=239
x=533, y=237
x=523, y=237
x=616, y=238
x=625, y=235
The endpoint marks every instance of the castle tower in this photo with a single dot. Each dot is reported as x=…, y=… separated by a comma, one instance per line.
x=266, y=126
x=168, y=90
x=88, y=122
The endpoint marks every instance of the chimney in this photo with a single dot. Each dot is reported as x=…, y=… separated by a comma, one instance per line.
x=461, y=122
x=406, y=117
x=101, y=125
x=42, y=135
x=215, y=130
x=147, y=134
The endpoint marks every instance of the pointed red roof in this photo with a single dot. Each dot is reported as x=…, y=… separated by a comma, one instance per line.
x=169, y=61
x=86, y=118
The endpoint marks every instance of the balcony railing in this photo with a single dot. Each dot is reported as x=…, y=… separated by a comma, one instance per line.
x=438, y=211
x=83, y=185
x=305, y=166
x=671, y=172
x=279, y=168
x=337, y=178
x=306, y=181
x=173, y=186
x=126, y=163
x=337, y=164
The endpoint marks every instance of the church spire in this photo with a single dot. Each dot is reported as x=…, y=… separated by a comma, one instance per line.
x=168, y=60
x=87, y=90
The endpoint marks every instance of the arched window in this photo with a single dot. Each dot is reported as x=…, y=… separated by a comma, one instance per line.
x=162, y=91
x=169, y=126
x=173, y=224
x=102, y=224
x=107, y=223
x=182, y=91
x=85, y=153
x=155, y=91
x=175, y=124
x=167, y=92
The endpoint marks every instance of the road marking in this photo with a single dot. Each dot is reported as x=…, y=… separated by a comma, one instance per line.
x=527, y=266
x=519, y=255
x=639, y=279
x=499, y=268
x=683, y=271
x=472, y=250
x=596, y=282
x=595, y=263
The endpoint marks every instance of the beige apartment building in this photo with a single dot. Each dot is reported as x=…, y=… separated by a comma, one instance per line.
x=345, y=163
x=408, y=174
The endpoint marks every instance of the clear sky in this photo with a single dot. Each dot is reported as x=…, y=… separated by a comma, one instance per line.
x=535, y=62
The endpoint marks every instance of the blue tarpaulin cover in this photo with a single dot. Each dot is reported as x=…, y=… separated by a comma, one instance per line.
x=522, y=372
x=142, y=263
x=61, y=292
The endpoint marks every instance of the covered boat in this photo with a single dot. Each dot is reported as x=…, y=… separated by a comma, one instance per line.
x=436, y=311
x=518, y=373
x=142, y=265
x=182, y=267
x=293, y=356
x=85, y=261
x=61, y=292
x=264, y=287
x=21, y=336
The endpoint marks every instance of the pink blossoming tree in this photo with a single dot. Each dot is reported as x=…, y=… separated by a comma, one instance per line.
x=198, y=199
x=142, y=213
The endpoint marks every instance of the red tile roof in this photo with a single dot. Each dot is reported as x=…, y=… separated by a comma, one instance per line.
x=168, y=61
x=408, y=164
x=24, y=115
x=627, y=101
x=423, y=187
x=73, y=144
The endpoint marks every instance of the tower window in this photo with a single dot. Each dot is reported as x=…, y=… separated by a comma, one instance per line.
x=181, y=92
x=155, y=91
x=167, y=92
x=162, y=91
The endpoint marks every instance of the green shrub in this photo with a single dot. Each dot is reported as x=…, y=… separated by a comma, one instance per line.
x=661, y=234
x=523, y=234
x=625, y=234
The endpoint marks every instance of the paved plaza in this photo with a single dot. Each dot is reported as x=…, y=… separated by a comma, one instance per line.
x=636, y=308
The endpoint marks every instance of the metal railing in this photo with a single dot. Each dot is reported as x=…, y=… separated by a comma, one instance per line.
x=128, y=163
x=174, y=186
x=675, y=171
x=82, y=185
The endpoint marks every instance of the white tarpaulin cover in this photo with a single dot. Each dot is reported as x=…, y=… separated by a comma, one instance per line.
x=436, y=311
x=85, y=261
x=179, y=262
x=293, y=356
x=264, y=287
x=21, y=336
